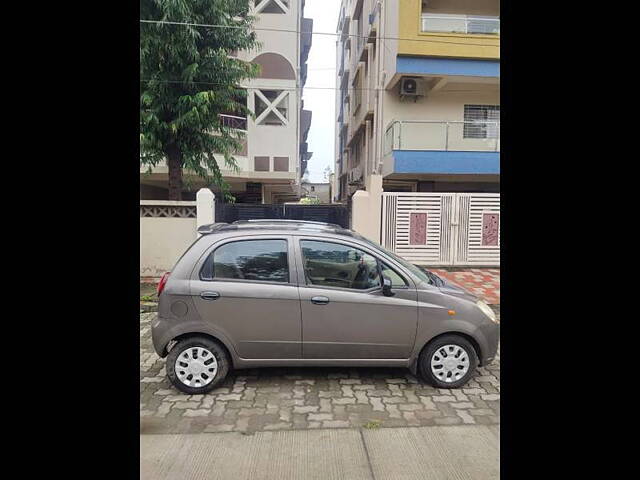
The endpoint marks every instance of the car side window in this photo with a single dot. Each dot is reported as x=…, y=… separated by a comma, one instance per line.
x=396, y=280
x=335, y=265
x=263, y=260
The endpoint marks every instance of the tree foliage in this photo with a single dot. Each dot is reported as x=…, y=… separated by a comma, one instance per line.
x=188, y=78
x=309, y=201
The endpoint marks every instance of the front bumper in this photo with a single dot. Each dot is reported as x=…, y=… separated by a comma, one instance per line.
x=491, y=334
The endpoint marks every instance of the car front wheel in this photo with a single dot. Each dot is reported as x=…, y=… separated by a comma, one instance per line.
x=196, y=365
x=448, y=361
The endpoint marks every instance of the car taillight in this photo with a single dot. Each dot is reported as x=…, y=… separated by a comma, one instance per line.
x=163, y=282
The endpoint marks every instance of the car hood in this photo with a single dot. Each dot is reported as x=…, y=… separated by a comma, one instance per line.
x=451, y=288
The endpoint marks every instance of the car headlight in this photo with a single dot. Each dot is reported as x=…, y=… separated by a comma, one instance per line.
x=486, y=309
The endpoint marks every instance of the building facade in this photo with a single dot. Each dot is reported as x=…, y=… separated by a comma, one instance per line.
x=274, y=154
x=418, y=100
x=320, y=191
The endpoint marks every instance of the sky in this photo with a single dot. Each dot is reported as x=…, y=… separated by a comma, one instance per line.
x=321, y=73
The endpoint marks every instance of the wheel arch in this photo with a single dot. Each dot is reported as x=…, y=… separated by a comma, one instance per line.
x=171, y=343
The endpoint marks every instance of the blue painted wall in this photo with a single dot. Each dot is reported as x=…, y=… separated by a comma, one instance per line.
x=426, y=161
x=448, y=66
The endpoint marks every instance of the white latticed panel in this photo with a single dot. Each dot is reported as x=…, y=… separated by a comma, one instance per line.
x=157, y=211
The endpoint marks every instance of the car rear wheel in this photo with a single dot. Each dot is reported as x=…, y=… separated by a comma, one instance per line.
x=197, y=365
x=448, y=361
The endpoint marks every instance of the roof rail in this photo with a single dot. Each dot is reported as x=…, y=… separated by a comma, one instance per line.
x=211, y=227
x=285, y=221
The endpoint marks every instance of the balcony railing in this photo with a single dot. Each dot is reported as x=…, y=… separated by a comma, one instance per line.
x=432, y=22
x=231, y=121
x=458, y=136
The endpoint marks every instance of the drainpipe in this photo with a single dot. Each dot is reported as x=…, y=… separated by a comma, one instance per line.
x=299, y=173
x=380, y=93
x=367, y=162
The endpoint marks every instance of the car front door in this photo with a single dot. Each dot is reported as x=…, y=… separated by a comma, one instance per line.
x=345, y=315
x=247, y=289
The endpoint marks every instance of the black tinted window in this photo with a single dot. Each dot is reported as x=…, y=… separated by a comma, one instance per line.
x=264, y=260
x=335, y=265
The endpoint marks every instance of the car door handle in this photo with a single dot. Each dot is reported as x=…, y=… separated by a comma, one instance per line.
x=319, y=300
x=209, y=295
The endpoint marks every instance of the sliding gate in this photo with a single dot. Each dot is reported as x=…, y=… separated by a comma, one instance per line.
x=446, y=229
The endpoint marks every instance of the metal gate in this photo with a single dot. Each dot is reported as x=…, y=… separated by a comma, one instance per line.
x=230, y=212
x=443, y=228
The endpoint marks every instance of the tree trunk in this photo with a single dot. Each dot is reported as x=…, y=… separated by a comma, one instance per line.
x=174, y=162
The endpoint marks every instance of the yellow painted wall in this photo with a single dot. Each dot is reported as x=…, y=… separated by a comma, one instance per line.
x=461, y=46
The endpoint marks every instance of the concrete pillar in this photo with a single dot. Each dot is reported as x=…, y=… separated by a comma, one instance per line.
x=366, y=209
x=374, y=187
x=205, y=207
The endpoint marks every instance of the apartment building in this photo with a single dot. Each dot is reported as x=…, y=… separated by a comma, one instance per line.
x=418, y=100
x=274, y=154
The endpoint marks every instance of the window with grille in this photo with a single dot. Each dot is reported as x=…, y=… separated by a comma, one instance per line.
x=481, y=121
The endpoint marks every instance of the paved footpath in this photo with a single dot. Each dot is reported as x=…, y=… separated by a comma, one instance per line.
x=310, y=398
x=451, y=452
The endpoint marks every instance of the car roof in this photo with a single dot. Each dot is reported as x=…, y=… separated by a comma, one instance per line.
x=281, y=225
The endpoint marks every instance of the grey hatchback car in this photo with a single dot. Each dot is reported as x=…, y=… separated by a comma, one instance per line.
x=288, y=293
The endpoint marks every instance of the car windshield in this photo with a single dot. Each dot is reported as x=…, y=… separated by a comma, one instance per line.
x=417, y=271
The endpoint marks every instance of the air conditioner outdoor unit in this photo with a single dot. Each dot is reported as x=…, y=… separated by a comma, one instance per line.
x=412, y=87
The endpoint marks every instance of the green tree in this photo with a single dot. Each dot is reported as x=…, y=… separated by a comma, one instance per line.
x=187, y=79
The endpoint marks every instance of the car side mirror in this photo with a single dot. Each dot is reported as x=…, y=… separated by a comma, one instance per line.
x=386, y=287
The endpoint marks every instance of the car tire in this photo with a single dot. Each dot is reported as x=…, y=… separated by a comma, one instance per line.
x=196, y=365
x=447, y=373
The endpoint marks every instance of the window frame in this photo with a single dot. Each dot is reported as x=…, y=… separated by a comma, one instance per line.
x=302, y=278
x=283, y=98
x=291, y=260
x=486, y=108
x=395, y=270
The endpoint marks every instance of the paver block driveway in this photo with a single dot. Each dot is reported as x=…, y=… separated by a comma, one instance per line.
x=302, y=398
x=483, y=282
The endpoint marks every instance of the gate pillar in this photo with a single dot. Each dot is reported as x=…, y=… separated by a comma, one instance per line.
x=366, y=209
x=205, y=207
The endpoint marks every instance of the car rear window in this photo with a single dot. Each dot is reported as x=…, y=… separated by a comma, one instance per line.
x=253, y=260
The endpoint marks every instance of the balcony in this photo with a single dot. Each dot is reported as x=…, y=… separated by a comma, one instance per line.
x=443, y=147
x=475, y=26
x=464, y=24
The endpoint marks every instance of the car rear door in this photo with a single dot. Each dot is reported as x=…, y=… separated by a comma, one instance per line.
x=344, y=312
x=246, y=287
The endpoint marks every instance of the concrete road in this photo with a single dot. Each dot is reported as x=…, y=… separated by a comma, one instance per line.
x=444, y=452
